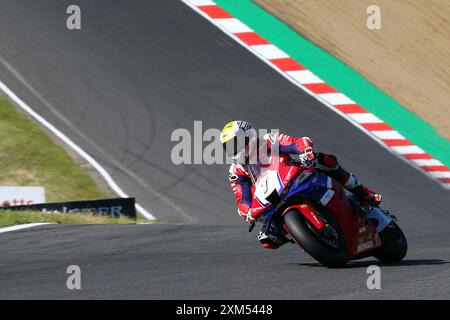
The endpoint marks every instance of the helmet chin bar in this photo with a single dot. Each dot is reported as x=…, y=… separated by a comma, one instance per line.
x=239, y=158
x=251, y=155
x=241, y=148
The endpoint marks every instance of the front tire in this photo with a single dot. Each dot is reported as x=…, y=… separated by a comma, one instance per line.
x=310, y=241
x=393, y=244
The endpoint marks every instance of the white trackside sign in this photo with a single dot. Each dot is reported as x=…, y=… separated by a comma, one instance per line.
x=20, y=196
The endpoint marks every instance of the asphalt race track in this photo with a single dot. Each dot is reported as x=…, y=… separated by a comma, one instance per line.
x=118, y=88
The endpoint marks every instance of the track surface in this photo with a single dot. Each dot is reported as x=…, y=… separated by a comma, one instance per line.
x=119, y=87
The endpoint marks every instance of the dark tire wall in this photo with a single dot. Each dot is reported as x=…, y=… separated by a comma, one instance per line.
x=296, y=224
x=394, y=244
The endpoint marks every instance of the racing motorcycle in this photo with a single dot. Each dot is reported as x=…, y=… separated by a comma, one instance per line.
x=314, y=211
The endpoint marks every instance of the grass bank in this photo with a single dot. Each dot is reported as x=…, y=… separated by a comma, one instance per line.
x=29, y=157
x=11, y=218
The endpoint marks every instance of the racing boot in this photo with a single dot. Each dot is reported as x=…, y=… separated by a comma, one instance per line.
x=270, y=241
x=363, y=193
x=367, y=195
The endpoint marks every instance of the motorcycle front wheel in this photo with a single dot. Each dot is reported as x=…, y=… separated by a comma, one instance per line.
x=393, y=244
x=310, y=240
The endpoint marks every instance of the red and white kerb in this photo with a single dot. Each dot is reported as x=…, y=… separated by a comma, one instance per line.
x=309, y=82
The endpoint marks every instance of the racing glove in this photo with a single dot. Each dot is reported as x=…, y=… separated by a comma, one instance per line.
x=250, y=215
x=308, y=157
x=307, y=154
x=246, y=213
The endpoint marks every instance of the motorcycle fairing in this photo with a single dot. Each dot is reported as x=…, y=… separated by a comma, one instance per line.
x=315, y=186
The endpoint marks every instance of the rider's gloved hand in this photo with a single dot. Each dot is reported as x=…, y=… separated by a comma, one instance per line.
x=246, y=212
x=308, y=157
x=250, y=215
x=306, y=151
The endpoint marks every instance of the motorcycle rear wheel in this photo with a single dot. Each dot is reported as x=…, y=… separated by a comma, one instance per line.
x=312, y=244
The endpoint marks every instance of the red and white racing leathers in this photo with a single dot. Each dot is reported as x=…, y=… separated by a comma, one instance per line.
x=243, y=177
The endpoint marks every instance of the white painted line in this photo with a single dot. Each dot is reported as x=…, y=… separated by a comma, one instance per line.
x=23, y=226
x=388, y=134
x=202, y=2
x=336, y=98
x=440, y=174
x=407, y=149
x=269, y=51
x=304, y=77
x=364, y=118
x=427, y=162
x=233, y=25
x=112, y=184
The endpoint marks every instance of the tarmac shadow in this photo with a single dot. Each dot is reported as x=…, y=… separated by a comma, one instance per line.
x=366, y=263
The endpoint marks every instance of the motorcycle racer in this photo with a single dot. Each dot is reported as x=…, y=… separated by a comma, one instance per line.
x=246, y=148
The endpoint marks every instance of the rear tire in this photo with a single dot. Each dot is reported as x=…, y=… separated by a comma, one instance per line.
x=312, y=244
x=393, y=244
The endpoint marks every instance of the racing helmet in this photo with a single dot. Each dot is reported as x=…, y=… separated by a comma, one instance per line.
x=239, y=140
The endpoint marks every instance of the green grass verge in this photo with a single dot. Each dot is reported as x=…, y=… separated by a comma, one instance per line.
x=11, y=218
x=28, y=157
